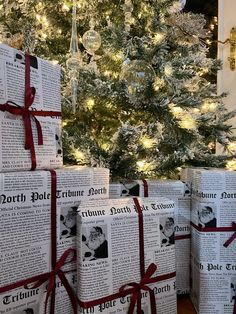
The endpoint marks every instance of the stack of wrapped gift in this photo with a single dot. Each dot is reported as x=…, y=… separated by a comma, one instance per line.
x=37, y=208
x=213, y=247
x=180, y=193
x=121, y=256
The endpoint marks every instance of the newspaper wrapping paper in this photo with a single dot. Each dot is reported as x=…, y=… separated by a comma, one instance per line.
x=179, y=192
x=45, y=78
x=213, y=266
x=25, y=205
x=31, y=301
x=108, y=252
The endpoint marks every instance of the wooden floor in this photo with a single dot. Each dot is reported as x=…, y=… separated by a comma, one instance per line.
x=185, y=306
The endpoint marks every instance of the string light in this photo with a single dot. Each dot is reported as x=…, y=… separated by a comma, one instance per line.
x=176, y=111
x=158, y=83
x=90, y=103
x=188, y=122
x=78, y=155
x=64, y=123
x=141, y=164
x=232, y=147
x=65, y=7
x=147, y=142
x=158, y=38
x=168, y=70
x=231, y=165
x=209, y=106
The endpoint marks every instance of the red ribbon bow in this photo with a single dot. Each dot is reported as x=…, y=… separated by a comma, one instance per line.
x=233, y=236
x=136, y=290
x=51, y=278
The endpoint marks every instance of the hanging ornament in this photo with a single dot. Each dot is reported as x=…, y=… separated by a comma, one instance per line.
x=74, y=61
x=137, y=74
x=128, y=9
x=29, y=38
x=91, y=39
x=182, y=3
x=177, y=6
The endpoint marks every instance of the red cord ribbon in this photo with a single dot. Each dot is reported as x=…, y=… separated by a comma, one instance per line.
x=233, y=236
x=28, y=115
x=133, y=288
x=145, y=187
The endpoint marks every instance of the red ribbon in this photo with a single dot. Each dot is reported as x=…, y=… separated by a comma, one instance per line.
x=233, y=236
x=213, y=229
x=146, y=278
x=182, y=237
x=55, y=265
x=27, y=114
x=145, y=187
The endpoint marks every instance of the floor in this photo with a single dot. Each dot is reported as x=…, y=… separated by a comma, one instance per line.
x=185, y=306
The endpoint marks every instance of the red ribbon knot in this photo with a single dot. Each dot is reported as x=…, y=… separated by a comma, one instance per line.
x=136, y=290
x=233, y=236
x=51, y=278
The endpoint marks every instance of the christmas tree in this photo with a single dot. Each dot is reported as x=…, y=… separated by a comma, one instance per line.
x=138, y=96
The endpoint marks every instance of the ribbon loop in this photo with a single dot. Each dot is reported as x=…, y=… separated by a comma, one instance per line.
x=136, y=290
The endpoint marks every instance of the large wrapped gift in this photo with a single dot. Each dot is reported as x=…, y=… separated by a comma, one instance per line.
x=180, y=193
x=38, y=221
x=213, y=247
x=122, y=263
x=30, y=109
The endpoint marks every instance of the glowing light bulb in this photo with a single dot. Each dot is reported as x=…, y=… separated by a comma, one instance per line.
x=232, y=147
x=158, y=83
x=188, y=123
x=168, y=70
x=38, y=17
x=90, y=103
x=209, y=106
x=44, y=18
x=64, y=123
x=65, y=7
x=147, y=142
x=158, y=38
x=119, y=56
x=141, y=164
x=195, y=110
x=176, y=111
x=79, y=155
x=231, y=165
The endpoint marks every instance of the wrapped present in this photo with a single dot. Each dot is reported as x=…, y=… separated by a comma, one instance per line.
x=180, y=193
x=130, y=268
x=38, y=219
x=213, y=246
x=30, y=110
